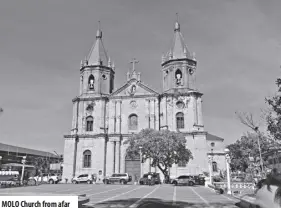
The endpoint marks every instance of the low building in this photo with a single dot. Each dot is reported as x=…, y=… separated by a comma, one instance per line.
x=14, y=154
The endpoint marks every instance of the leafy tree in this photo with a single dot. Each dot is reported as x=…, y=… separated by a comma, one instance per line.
x=164, y=148
x=247, y=146
x=41, y=164
x=274, y=115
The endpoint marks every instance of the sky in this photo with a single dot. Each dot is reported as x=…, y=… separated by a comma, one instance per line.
x=237, y=46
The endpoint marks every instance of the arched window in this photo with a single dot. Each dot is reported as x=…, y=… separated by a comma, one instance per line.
x=215, y=166
x=213, y=144
x=178, y=76
x=87, y=159
x=180, y=120
x=89, y=123
x=133, y=122
x=91, y=82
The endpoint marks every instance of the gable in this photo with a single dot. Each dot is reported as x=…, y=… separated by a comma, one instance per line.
x=134, y=88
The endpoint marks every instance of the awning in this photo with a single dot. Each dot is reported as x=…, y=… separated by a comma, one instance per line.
x=17, y=165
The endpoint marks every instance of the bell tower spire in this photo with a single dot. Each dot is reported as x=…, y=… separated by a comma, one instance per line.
x=97, y=70
x=178, y=65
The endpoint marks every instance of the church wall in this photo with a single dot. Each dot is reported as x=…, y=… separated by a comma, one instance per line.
x=68, y=157
x=97, y=114
x=96, y=146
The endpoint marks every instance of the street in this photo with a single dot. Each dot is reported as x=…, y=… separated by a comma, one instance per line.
x=133, y=195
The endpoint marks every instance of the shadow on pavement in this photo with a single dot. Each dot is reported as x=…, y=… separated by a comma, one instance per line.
x=156, y=203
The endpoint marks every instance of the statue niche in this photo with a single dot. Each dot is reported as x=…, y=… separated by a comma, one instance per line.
x=91, y=82
x=178, y=76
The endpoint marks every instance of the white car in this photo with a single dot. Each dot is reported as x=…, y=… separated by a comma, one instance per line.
x=47, y=178
x=84, y=178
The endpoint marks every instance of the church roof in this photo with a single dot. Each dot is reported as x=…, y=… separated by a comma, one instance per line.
x=211, y=137
x=178, y=49
x=98, y=55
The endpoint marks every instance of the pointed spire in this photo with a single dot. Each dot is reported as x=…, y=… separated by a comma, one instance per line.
x=98, y=55
x=81, y=64
x=113, y=66
x=179, y=49
x=99, y=32
x=177, y=25
x=85, y=61
x=163, y=58
x=109, y=62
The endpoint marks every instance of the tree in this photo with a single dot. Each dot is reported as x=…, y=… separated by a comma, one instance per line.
x=164, y=148
x=247, y=146
x=274, y=116
x=41, y=164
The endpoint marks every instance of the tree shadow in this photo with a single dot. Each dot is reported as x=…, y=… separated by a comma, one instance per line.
x=156, y=203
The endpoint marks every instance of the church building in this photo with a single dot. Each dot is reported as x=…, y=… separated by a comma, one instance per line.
x=103, y=118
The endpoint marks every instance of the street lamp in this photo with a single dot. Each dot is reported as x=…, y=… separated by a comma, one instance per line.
x=210, y=160
x=176, y=162
x=23, y=161
x=140, y=147
x=227, y=159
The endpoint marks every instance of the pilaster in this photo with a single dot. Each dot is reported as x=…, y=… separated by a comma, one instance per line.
x=110, y=158
x=117, y=157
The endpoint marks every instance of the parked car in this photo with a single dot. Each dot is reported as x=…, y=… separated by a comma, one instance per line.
x=84, y=178
x=47, y=178
x=155, y=179
x=199, y=180
x=184, y=180
x=122, y=178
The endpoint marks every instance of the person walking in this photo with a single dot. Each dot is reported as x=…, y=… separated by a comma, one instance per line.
x=149, y=177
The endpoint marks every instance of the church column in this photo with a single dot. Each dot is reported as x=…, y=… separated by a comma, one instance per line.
x=199, y=107
x=157, y=118
x=122, y=158
x=117, y=157
x=151, y=114
x=110, y=158
x=154, y=114
x=118, y=118
x=74, y=117
x=81, y=84
x=148, y=112
x=195, y=110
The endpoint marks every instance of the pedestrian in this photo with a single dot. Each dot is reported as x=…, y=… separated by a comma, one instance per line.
x=149, y=179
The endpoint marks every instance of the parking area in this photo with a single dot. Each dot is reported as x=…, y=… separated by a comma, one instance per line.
x=133, y=195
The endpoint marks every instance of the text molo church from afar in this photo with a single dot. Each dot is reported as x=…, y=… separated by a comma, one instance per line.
x=103, y=119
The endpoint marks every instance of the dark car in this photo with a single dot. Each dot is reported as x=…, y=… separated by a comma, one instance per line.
x=184, y=180
x=199, y=180
x=122, y=178
x=155, y=179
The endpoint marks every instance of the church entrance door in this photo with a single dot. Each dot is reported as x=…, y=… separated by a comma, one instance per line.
x=133, y=167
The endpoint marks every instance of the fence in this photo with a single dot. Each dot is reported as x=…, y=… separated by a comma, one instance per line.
x=237, y=187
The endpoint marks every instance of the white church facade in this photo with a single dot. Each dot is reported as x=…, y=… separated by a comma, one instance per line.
x=103, y=118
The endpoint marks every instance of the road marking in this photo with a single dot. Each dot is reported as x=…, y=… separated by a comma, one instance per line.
x=105, y=191
x=135, y=205
x=115, y=196
x=229, y=198
x=175, y=196
x=205, y=201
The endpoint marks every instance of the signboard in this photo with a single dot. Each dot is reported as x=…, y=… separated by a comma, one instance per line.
x=55, y=166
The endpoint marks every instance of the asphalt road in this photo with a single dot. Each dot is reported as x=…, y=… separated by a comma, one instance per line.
x=133, y=195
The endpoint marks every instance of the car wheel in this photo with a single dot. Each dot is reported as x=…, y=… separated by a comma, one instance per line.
x=191, y=183
x=175, y=183
x=74, y=182
x=51, y=181
x=122, y=181
x=89, y=182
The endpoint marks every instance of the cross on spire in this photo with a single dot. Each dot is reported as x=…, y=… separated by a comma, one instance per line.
x=134, y=62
